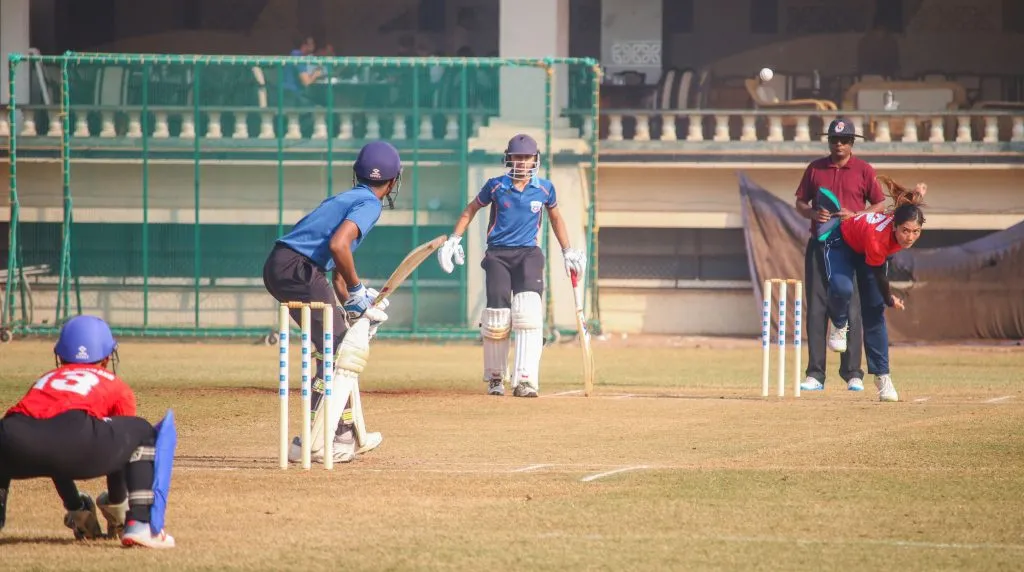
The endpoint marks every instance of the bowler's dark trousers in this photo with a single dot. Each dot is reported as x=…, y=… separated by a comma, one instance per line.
x=816, y=320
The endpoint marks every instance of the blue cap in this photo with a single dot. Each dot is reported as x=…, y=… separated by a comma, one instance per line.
x=378, y=161
x=842, y=127
x=521, y=144
x=85, y=339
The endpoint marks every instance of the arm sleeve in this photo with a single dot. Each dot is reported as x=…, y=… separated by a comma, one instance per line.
x=883, y=282
x=874, y=188
x=364, y=215
x=484, y=196
x=805, y=191
x=552, y=197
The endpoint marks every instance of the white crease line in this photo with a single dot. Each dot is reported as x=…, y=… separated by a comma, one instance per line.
x=596, y=476
x=529, y=468
x=999, y=399
x=560, y=393
x=626, y=396
x=921, y=399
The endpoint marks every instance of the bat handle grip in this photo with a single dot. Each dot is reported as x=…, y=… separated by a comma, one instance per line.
x=574, y=278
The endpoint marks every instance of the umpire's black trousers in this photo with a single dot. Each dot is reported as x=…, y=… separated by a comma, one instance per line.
x=816, y=320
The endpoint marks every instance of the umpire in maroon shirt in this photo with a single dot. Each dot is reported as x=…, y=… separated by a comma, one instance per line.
x=853, y=182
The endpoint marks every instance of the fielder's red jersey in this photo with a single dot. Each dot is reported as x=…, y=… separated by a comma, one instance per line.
x=72, y=387
x=870, y=234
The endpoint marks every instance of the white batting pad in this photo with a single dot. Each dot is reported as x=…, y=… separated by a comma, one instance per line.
x=495, y=325
x=349, y=362
x=343, y=384
x=528, y=323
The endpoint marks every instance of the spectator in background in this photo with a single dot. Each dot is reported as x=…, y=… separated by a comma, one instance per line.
x=298, y=77
x=326, y=51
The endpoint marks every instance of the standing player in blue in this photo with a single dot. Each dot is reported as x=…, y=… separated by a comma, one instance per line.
x=296, y=271
x=78, y=422
x=514, y=265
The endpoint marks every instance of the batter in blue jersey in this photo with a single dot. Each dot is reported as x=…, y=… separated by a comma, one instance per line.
x=514, y=265
x=296, y=271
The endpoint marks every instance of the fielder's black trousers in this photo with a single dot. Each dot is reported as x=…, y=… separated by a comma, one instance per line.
x=816, y=320
x=77, y=446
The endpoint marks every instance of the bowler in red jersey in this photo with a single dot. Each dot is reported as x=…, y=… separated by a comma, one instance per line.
x=858, y=251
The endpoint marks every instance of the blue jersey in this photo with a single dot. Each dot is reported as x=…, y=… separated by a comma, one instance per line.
x=291, y=74
x=311, y=236
x=515, y=215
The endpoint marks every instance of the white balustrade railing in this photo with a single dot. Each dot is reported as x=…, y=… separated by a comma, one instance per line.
x=127, y=123
x=745, y=126
x=684, y=126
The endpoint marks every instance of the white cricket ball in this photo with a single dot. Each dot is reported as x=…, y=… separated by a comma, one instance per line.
x=766, y=74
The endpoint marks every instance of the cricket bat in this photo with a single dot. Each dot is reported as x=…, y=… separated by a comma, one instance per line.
x=408, y=266
x=405, y=268
x=584, y=335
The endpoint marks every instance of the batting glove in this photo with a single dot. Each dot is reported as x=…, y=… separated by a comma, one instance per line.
x=574, y=261
x=451, y=253
x=358, y=302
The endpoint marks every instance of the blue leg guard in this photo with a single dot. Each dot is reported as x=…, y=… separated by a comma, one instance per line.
x=166, y=441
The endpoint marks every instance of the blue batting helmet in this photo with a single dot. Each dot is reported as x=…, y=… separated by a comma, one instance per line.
x=85, y=339
x=379, y=162
x=519, y=146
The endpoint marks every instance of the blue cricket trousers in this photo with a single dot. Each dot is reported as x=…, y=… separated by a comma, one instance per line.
x=842, y=265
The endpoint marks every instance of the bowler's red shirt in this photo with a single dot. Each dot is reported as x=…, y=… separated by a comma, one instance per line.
x=854, y=184
x=72, y=387
x=870, y=234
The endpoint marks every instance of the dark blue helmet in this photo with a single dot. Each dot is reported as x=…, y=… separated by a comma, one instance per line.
x=379, y=162
x=519, y=148
x=85, y=339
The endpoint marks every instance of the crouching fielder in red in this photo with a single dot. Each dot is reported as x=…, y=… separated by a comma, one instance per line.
x=78, y=422
x=858, y=250
x=514, y=266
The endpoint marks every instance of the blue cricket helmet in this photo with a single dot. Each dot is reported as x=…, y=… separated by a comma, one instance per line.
x=379, y=162
x=519, y=146
x=85, y=339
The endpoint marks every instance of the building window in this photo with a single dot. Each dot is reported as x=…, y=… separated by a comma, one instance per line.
x=677, y=254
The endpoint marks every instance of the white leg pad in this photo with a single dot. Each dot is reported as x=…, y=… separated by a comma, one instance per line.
x=528, y=324
x=495, y=327
x=350, y=365
x=350, y=361
x=339, y=396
